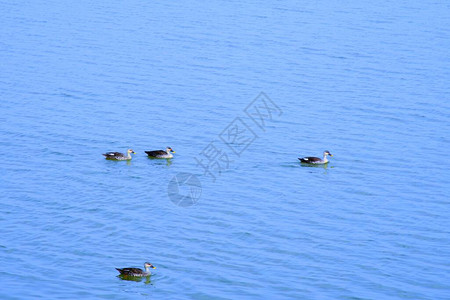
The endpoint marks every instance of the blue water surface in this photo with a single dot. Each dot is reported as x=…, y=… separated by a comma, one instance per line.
x=368, y=81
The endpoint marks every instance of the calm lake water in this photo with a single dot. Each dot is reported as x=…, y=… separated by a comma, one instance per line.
x=367, y=81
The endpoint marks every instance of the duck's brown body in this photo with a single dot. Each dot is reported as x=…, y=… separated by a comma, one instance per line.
x=316, y=160
x=161, y=153
x=132, y=272
x=311, y=160
x=136, y=272
x=118, y=155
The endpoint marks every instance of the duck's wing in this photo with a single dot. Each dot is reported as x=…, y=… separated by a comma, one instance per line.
x=130, y=271
x=114, y=154
x=310, y=159
x=156, y=153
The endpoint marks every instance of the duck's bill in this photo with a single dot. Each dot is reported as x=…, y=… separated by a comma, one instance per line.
x=331, y=154
x=134, y=152
x=153, y=267
x=172, y=151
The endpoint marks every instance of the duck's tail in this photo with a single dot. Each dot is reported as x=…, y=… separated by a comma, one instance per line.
x=120, y=270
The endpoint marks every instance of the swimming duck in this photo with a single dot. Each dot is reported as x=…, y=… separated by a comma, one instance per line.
x=161, y=153
x=316, y=160
x=137, y=272
x=118, y=155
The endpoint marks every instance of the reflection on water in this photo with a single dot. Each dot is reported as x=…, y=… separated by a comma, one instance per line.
x=135, y=278
x=109, y=161
x=323, y=166
x=161, y=161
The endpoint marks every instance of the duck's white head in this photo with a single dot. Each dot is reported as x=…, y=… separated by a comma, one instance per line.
x=326, y=153
x=169, y=150
x=129, y=151
x=149, y=265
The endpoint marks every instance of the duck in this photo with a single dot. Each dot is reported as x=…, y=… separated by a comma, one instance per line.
x=161, y=153
x=118, y=155
x=316, y=160
x=137, y=272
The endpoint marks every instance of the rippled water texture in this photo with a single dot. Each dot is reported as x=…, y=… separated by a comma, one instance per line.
x=368, y=82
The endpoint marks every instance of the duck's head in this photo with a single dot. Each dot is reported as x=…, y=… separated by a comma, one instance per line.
x=326, y=152
x=149, y=265
x=131, y=151
x=168, y=149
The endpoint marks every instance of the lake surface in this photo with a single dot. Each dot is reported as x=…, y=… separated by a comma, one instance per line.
x=367, y=81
